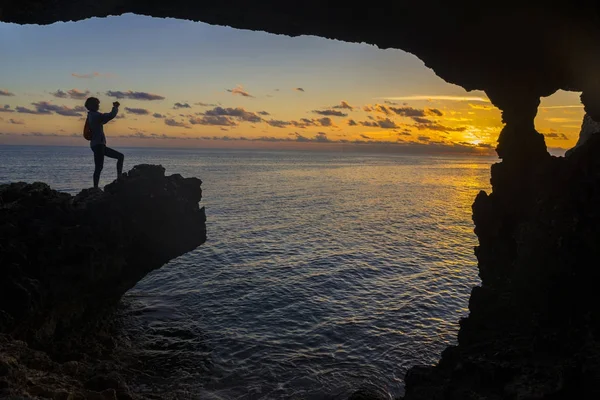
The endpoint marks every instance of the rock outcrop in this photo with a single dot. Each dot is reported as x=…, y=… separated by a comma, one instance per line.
x=534, y=324
x=26, y=373
x=66, y=261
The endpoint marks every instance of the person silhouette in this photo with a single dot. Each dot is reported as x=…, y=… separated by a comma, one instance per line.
x=96, y=121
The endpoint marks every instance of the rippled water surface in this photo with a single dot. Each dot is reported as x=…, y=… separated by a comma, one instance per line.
x=323, y=273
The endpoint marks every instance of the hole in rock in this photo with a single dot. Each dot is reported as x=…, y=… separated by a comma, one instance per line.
x=559, y=119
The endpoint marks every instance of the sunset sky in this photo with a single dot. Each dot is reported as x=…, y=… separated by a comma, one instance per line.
x=183, y=83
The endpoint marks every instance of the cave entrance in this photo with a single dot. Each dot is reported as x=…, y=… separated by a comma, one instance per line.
x=559, y=119
x=325, y=271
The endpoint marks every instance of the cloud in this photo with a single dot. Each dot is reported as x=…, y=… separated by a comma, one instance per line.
x=25, y=110
x=137, y=111
x=434, y=111
x=39, y=134
x=60, y=94
x=143, y=135
x=426, y=124
x=134, y=95
x=408, y=112
x=43, y=107
x=416, y=114
x=181, y=105
x=422, y=120
x=278, y=123
x=299, y=89
x=326, y=121
x=369, y=123
x=332, y=113
x=344, y=105
x=362, y=135
x=201, y=104
x=6, y=93
x=218, y=120
x=301, y=138
x=437, y=97
x=405, y=132
x=73, y=93
x=172, y=122
x=77, y=94
x=377, y=108
x=483, y=107
x=239, y=90
x=237, y=112
x=352, y=122
x=90, y=76
x=265, y=113
x=385, y=123
x=556, y=136
x=16, y=121
x=6, y=109
x=424, y=138
x=302, y=123
x=157, y=115
x=321, y=137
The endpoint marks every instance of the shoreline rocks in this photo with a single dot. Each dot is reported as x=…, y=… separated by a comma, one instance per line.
x=66, y=261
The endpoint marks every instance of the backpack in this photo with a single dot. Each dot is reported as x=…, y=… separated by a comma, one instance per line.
x=87, y=132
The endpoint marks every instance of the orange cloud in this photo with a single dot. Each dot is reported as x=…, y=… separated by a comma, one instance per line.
x=239, y=90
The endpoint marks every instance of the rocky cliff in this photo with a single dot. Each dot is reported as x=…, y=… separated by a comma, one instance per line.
x=66, y=261
x=533, y=329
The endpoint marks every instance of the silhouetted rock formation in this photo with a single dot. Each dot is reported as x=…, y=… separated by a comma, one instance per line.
x=533, y=328
x=67, y=260
x=534, y=324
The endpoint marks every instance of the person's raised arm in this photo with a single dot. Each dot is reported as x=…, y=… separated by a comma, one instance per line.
x=108, y=116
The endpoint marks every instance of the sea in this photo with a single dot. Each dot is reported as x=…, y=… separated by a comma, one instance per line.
x=324, y=273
